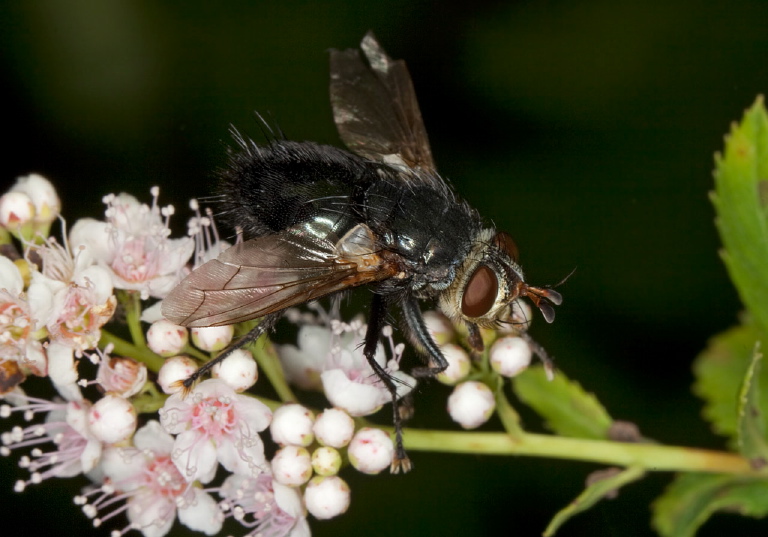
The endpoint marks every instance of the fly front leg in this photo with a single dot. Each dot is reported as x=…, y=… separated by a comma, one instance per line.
x=420, y=337
x=400, y=462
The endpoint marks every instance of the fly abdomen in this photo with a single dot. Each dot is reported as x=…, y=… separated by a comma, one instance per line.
x=287, y=184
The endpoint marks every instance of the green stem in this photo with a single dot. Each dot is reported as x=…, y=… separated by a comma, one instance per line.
x=510, y=419
x=652, y=457
x=269, y=364
x=124, y=348
x=131, y=301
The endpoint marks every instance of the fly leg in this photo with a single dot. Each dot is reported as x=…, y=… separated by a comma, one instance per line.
x=419, y=336
x=266, y=323
x=400, y=462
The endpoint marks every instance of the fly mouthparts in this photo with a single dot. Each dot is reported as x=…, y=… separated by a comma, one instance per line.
x=544, y=298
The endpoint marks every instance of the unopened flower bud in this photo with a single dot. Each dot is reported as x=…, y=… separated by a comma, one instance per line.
x=17, y=213
x=213, y=338
x=238, y=370
x=292, y=425
x=292, y=466
x=174, y=371
x=439, y=327
x=471, y=404
x=458, y=364
x=43, y=196
x=334, y=428
x=166, y=338
x=510, y=355
x=112, y=419
x=326, y=461
x=327, y=497
x=371, y=450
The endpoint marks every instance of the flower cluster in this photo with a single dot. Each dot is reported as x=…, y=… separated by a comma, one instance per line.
x=154, y=452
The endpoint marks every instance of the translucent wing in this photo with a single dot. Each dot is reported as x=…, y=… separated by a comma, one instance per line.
x=375, y=107
x=268, y=274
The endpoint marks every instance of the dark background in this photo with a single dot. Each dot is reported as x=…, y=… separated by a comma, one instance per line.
x=587, y=131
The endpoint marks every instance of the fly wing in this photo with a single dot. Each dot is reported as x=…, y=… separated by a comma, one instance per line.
x=375, y=108
x=267, y=275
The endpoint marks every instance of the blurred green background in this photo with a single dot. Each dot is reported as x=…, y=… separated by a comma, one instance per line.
x=584, y=129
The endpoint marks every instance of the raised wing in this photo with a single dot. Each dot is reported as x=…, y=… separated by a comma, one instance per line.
x=375, y=107
x=267, y=275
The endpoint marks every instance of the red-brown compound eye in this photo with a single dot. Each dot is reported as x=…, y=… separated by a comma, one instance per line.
x=480, y=292
x=505, y=242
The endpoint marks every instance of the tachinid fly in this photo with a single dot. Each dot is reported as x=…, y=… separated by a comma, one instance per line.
x=320, y=220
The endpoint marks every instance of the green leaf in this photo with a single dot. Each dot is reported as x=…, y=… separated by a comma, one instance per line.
x=692, y=498
x=593, y=494
x=741, y=203
x=752, y=442
x=720, y=371
x=567, y=408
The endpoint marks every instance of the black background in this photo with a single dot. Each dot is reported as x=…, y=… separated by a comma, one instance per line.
x=586, y=130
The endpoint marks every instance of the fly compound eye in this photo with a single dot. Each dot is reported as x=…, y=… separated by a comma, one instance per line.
x=480, y=292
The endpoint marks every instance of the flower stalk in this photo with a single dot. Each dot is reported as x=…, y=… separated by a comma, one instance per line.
x=652, y=457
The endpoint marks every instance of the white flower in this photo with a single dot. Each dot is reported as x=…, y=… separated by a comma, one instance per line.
x=62, y=370
x=66, y=425
x=264, y=506
x=17, y=341
x=215, y=423
x=157, y=492
x=347, y=378
x=304, y=363
x=71, y=297
x=350, y=383
x=134, y=245
x=124, y=376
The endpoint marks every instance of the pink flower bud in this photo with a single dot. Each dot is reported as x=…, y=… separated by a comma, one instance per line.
x=166, y=338
x=16, y=211
x=238, y=370
x=327, y=497
x=439, y=327
x=371, y=450
x=471, y=404
x=42, y=194
x=174, y=371
x=334, y=428
x=213, y=338
x=510, y=355
x=458, y=364
x=292, y=466
x=112, y=419
x=326, y=461
x=292, y=425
